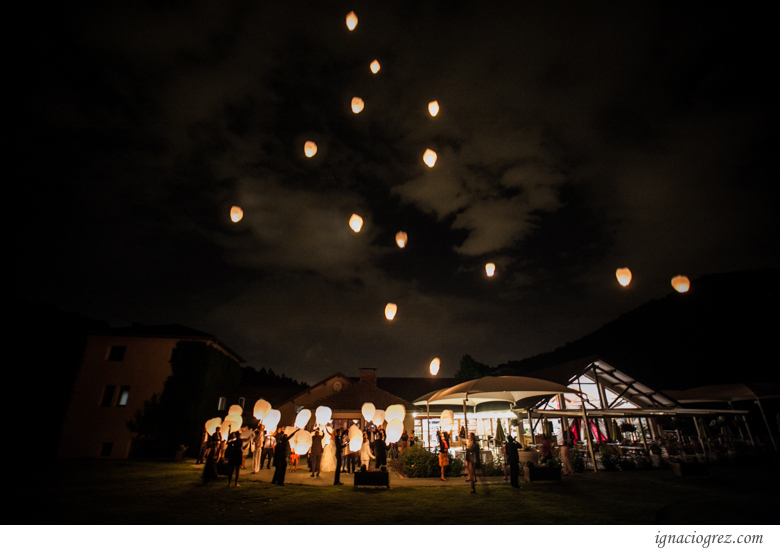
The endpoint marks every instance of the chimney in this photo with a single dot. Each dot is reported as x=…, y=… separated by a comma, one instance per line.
x=368, y=375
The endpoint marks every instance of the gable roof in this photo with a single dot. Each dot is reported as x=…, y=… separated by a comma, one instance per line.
x=354, y=396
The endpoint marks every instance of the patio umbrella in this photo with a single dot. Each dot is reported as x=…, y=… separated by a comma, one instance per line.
x=494, y=388
x=500, y=436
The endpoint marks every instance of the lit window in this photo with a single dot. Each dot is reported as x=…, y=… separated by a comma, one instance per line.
x=221, y=404
x=116, y=353
x=124, y=394
x=108, y=396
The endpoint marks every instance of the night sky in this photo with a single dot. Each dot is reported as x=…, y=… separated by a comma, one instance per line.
x=573, y=139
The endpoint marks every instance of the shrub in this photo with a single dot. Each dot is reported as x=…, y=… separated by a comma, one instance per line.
x=417, y=462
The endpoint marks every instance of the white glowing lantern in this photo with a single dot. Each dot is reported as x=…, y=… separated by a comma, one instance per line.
x=430, y=157
x=271, y=420
x=355, y=432
x=379, y=417
x=394, y=430
x=447, y=420
x=351, y=21
x=490, y=269
x=236, y=421
x=326, y=437
x=390, y=310
x=226, y=428
x=323, y=414
x=262, y=407
x=303, y=418
x=356, y=222
x=375, y=67
x=236, y=214
x=357, y=105
x=401, y=239
x=368, y=411
x=309, y=149
x=395, y=412
x=433, y=108
x=623, y=276
x=236, y=410
x=301, y=443
x=435, y=364
x=355, y=443
x=681, y=283
x=212, y=425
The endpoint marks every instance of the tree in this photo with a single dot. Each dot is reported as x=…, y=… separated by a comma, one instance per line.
x=471, y=369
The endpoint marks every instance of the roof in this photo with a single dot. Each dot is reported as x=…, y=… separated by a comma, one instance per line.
x=410, y=388
x=726, y=392
x=353, y=397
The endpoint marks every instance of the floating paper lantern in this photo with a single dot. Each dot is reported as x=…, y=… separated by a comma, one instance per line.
x=400, y=239
x=289, y=430
x=236, y=421
x=357, y=104
x=303, y=418
x=681, y=283
x=355, y=432
x=356, y=222
x=375, y=67
x=301, y=443
x=226, y=428
x=368, y=411
x=430, y=157
x=261, y=409
x=447, y=420
x=624, y=276
x=433, y=108
x=323, y=414
x=351, y=21
x=395, y=412
x=355, y=443
x=390, y=310
x=271, y=420
x=394, y=430
x=212, y=425
x=490, y=269
x=309, y=148
x=236, y=410
x=435, y=364
x=236, y=214
x=378, y=418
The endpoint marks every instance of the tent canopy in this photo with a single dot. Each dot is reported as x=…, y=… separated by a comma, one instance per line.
x=494, y=388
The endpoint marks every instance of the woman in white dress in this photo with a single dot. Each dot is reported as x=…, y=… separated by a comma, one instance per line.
x=328, y=463
x=365, y=451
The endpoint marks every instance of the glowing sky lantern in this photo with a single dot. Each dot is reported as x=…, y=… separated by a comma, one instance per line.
x=624, y=276
x=430, y=157
x=357, y=104
x=395, y=412
x=301, y=443
x=212, y=425
x=375, y=67
x=681, y=283
x=368, y=411
x=309, y=149
x=394, y=430
x=303, y=418
x=356, y=222
x=379, y=417
x=435, y=364
x=401, y=239
x=236, y=410
x=323, y=415
x=326, y=437
x=390, y=310
x=236, y=214
x=351, y=21
x=261, y=409
x=490, y=269
x=271, y=420
x=226, y=428
x=447, y=420
x=433, y=108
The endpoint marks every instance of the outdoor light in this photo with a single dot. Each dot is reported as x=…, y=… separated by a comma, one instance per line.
x=236, y=214
x=395, y=412
x=303, y=418
x=433, y=108
x=309, y=148
x=435, y=364
x=378, y=418
x=375, y=67
x=357, y=104
x=261, y=409
x=624, y=276
x=401, y=239
x=323, y=415
x=356, y=222
x=681, y=283
x=490, y=269
x=368, y=411
x=351, y=21
x=390, y=310
x=429, y=157
x=394, y=430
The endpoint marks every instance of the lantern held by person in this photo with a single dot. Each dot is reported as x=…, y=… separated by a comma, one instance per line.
x=261, y=409
x=490, y=269
x=395, y=412
x=301, y=442
x=309, y=149
x=390, y=310
x=375, y=67
x=212, y=425
x=352, y=21
x=378, y=418
x=236, y=214
x=303, y=418
x=368, y=411
x=435, y=364
x=271, y=420
x=681, y=283
x=357, y=104
x=236, y=421
x=623, y=276
x=430, y=157
x=356, y=222
x=394, y=430
x=433, y=108
x=236, y=410
x=323, y=415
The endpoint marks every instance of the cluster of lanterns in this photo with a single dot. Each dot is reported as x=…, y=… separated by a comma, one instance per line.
x=680, y=283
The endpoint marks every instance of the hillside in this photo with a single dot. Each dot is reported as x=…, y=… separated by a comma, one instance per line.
x=723, y=330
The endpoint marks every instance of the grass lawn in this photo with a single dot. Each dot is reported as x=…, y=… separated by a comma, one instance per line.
x=157, y=492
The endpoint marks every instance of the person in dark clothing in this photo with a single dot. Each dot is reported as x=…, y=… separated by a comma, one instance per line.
x=210, y=469
x=281, y=452
x=514, y=461
x=338, y=445
x=380, y=449
x=315, y=453
x=234, y=456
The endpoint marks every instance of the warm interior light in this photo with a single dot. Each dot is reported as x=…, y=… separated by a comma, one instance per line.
x=236, y=214
x=624, y=276
x=435, y=364
x=681, y=283
x=433, y=108
x=429, y=157
x=390, y=310
x=490, y=269
x=351, y=21
x=400, y=239
x=357, y=104
x=375, y=67
x=356, y=222
x=309, y=149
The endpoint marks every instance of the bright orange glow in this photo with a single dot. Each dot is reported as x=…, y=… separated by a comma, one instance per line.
x=430, y=157
x=375, y=67
x=435, y=364
x=236, y=214
x=624, y=276
x=351, y=21
x=357, y=104
x=390, y=310
x=356, y=222
x=401, y=239
x=310, y=148
x=681, y=283
x=433, y=108
x=490, y=269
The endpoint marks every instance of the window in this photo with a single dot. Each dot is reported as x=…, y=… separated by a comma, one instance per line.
x=221, y=404
x=241, y=402
x=108, y=396
x=105, y=449
x=124, y=395
x=116, y=353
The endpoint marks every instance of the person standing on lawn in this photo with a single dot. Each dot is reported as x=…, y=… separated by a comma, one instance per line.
x=444, y=448
x=513, y=458
x=338, y=447
x=257, y=452
x=233, y=453
x=315, y=453
x=280, y=456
